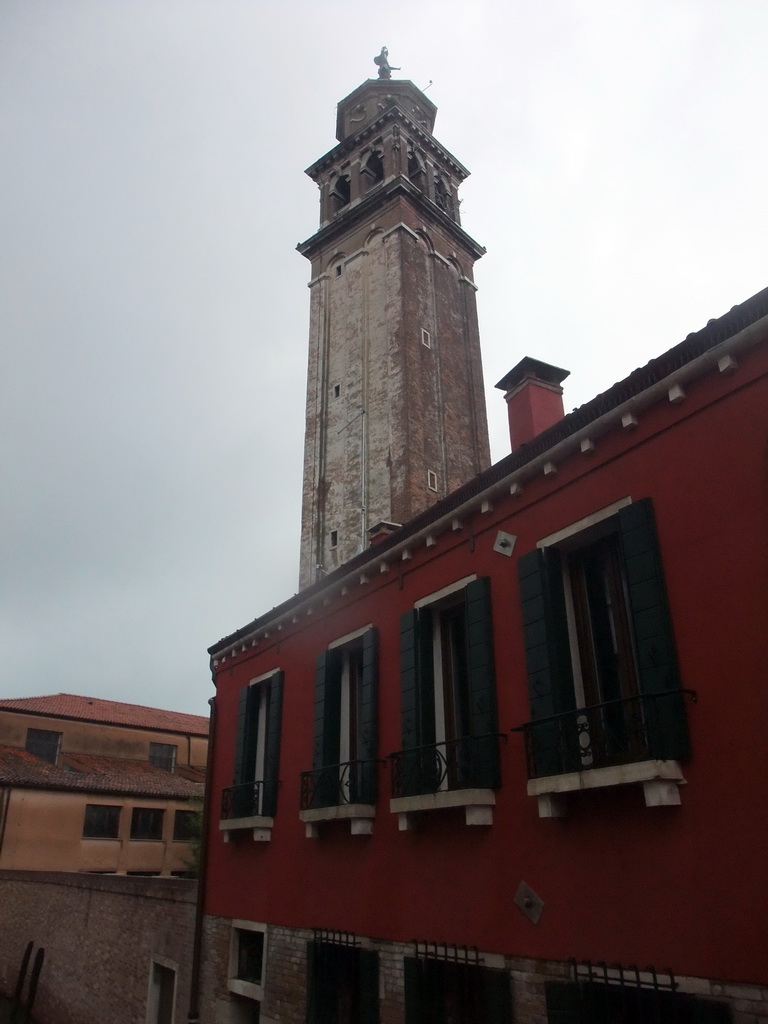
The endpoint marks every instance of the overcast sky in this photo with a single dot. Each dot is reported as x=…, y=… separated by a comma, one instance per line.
x=154, y=310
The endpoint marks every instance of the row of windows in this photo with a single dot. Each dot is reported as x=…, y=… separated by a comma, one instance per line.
x=602, y=679
x=102, y=821
x=444, y=985
x=46, y=744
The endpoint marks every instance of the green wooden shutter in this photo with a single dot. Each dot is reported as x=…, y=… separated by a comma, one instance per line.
x=417, y=700
x=497, y=996
x=272, y=745
x=652, y=632
x=482, y=684
x=368, y=965
x=327, y=709
x=245, y=737
x=563, y=1002
x=368, y=718
x=547, y=655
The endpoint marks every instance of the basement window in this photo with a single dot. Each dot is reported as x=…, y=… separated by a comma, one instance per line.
x=431, y=480
x=247, y=957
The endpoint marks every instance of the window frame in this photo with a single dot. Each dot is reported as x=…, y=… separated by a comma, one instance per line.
x=570, y=742
x=343, y=779
x=157, y=815
x=35, y=749
x=236, y=984
x=114, y=833
x=161, y=760
x=257, y=757
x=436, y=769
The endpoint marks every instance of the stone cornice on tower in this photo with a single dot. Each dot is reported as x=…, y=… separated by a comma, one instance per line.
x=372, y=201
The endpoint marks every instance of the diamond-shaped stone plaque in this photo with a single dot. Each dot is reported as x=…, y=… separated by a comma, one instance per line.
x=530, y=904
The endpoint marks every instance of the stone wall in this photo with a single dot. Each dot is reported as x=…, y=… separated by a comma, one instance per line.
x=101, y=934
x=285, y=997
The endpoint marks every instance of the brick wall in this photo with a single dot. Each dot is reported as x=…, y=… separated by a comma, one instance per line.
x=286, y=970
x=100, y=935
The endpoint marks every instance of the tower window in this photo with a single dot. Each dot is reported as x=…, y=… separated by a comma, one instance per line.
x=334, y=538
x=338, y=271
x=426, y=338
x=336, y=390
x=373, y=169
x=431, y=480
x=341, y=191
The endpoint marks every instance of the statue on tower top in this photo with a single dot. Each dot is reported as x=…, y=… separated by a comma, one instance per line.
x=382, y=61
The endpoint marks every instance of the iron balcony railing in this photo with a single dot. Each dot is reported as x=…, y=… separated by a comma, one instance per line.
x=242, y=801
x=644, y=727
x=464, y=763
x=352, y=782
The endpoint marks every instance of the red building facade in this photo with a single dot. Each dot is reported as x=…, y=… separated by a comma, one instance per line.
x=509, y=763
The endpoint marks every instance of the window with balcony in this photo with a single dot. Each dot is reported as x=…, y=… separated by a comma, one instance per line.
x=102, y=821
x=44, y=743
x=448, y=703
x=342, y=980
x=343, y=775
x=163, y=755
x=603, y=681
x=257, y=754
x=147, y=823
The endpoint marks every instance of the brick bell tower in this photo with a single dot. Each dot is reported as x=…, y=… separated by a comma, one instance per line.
x=395, y=403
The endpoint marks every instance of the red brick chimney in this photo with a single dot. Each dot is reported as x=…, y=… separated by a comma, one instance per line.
x=534, y=399
x=380, y=532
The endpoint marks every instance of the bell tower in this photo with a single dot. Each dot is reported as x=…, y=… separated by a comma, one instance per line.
x=395, y=402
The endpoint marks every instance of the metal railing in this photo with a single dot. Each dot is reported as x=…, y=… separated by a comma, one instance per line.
x=643, y=727
x=352, y=782
x=464, y=763
x=242, y=801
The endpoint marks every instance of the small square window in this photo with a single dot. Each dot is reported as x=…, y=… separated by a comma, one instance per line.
x=247, y=958
x=147, y=823
x=102, y=821
x=426, y=338
x=163, y=755
x=44, y=743
x=431, y=480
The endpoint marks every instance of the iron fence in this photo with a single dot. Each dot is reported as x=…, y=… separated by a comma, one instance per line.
x=464, y=763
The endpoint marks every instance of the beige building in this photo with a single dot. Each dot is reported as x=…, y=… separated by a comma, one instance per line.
x=98, y=786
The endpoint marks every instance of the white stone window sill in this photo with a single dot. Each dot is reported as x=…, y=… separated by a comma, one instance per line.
x=245, y=988
x=661, y=781
x=478, y=805
x=359, y=816
x=262, y=827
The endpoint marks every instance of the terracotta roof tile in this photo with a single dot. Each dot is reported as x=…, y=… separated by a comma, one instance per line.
x=108, y=712
x=88, y=773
